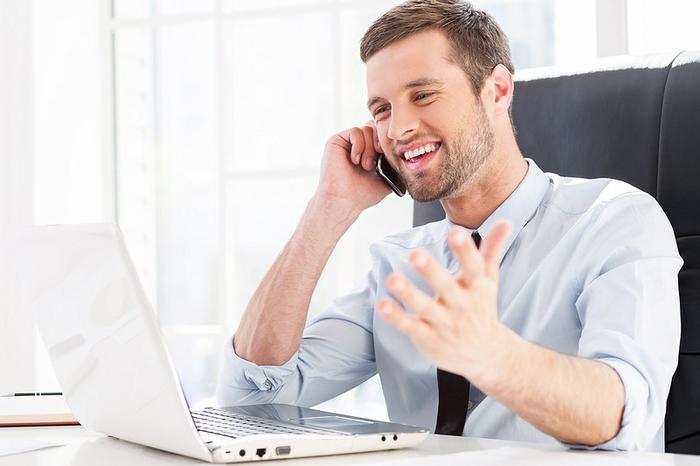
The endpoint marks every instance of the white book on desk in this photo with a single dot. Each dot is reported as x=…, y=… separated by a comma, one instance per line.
x=50, y=410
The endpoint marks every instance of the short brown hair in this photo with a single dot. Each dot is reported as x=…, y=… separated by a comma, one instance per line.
x=478, y=44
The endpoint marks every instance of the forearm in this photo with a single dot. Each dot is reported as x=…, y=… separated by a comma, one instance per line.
x=272, y=325
x=573, y=399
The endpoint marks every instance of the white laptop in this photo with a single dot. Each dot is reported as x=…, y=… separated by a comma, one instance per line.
x=110, y=358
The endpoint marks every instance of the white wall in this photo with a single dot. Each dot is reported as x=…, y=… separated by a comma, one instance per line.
x=16, y=182
x=55, y=145
x=72, y=126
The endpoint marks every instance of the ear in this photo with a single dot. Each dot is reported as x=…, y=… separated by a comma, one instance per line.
x=501, y=84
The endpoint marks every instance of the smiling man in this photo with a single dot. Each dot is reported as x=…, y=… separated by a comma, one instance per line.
x=561, y=326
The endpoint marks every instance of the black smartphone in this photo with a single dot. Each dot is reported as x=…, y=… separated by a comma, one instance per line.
x=390, y=176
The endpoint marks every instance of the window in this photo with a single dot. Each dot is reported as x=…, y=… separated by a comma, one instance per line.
x=656, y=27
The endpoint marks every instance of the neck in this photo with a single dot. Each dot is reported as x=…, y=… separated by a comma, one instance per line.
x=495, y=181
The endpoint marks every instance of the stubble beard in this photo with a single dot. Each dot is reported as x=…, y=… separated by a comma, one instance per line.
x=462, y=159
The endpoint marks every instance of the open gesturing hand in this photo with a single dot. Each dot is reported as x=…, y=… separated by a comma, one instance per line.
x=458, y=330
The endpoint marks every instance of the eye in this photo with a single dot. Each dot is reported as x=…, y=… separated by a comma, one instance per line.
x=423, y=95
x=381, y=110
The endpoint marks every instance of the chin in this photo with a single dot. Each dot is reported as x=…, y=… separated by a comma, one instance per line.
x=425, y=189
x=422, y=195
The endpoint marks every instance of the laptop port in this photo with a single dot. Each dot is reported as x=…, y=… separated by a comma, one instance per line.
x=396, y=437
x=260, y=452
x=283, y=450
x=241, y=453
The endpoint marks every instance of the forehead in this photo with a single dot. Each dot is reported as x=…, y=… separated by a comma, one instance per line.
x=421, y=55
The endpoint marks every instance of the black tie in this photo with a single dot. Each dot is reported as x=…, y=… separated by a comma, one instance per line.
x=453, y=394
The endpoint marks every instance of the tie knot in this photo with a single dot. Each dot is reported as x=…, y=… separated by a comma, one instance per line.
x=477, y=238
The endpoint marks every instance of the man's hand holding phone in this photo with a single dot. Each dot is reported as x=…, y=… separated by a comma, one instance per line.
x=272, y=325
x=348, y=176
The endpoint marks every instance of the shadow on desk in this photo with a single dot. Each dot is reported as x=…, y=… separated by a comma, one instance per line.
x=85, y=448
x=108, y=451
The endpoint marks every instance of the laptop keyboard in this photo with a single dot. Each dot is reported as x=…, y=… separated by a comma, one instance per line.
x=235, y=425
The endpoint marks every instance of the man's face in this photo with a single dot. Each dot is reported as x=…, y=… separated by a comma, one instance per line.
x=422, y=102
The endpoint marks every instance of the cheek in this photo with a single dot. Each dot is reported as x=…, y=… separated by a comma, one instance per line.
x=447, y=122
x=441, y=117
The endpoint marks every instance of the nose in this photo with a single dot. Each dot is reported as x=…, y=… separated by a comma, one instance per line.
x=403, y=124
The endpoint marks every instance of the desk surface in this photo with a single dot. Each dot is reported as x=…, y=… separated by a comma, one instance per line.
x=85, y=448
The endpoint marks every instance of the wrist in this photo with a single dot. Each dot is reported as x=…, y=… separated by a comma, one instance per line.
x=333, y=209
x=498, y=367
x=324, y=223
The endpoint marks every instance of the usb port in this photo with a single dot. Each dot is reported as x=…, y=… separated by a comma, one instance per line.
x=283, y=450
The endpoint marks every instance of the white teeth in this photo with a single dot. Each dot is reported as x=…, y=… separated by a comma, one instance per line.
x=408, y=155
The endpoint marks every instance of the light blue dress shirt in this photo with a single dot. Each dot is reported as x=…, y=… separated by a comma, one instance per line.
x=590, y=269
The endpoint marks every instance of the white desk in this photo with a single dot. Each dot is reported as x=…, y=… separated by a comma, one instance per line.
x=85, y=448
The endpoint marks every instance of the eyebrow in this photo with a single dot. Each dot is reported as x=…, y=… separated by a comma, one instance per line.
x=420, y=82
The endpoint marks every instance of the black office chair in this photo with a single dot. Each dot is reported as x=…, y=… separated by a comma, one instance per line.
x=635, y=119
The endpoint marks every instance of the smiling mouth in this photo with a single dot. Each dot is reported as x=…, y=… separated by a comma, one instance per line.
x=413, y=156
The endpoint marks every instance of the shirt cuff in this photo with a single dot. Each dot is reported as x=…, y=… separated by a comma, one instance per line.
x=240, y=374
x=633, y=416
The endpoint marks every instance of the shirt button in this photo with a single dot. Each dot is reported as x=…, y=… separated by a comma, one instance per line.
x=267, y=384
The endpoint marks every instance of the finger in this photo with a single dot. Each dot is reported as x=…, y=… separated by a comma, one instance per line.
x=403, y=322
x=492, y=247
x=471, y=262
x=369, y=156
x=439, y=279
x=423, y=305
x=375, y=137
x=343, y=140
x=357, y=141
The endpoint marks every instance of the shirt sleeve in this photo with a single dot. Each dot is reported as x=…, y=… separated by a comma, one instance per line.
x=630, y=311
x=336, y=354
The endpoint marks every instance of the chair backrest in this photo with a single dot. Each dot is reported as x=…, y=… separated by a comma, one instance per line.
x=635, y=119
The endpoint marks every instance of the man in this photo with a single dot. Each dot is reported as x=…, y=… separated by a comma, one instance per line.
x=562, y=326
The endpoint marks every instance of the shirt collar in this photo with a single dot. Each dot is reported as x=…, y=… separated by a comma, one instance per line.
x=519, y=207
